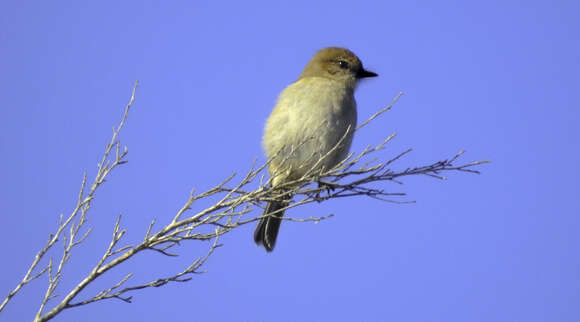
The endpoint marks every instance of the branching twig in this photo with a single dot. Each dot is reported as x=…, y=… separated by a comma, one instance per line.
x=357, y=175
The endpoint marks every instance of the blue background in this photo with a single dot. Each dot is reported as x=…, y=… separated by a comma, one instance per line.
x=497, y=78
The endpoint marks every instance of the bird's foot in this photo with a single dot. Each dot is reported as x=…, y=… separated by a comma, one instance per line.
x=325, y=186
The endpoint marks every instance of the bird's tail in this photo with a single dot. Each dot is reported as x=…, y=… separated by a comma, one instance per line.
x=267, y=229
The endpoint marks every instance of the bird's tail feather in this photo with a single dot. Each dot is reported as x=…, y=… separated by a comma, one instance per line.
x=267, y=229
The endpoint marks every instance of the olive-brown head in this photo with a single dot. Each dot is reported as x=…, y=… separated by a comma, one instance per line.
x=338, y=64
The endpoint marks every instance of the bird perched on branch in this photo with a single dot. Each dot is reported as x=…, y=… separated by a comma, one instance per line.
x=310, y=129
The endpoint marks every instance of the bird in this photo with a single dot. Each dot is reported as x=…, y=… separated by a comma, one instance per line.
x=310, y=128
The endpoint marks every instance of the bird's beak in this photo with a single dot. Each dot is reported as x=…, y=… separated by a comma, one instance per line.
x=365, y=73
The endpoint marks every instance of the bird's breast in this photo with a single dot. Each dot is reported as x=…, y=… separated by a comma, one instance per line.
x=311, y=117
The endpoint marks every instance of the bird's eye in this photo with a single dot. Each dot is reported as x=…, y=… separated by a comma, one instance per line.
x=343, y=64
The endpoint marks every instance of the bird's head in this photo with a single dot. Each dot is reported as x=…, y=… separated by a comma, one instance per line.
x=336, y=63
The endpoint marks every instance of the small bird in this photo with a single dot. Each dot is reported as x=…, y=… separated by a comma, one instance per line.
x=311, y=117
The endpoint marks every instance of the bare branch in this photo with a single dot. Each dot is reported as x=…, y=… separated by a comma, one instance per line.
x=381, y=111
x=75, y=221
x=357, y=175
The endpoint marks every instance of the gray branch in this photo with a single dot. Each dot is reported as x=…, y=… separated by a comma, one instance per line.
x=358, y=175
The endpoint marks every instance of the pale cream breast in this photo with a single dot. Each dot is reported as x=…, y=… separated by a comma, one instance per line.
x=311, y=116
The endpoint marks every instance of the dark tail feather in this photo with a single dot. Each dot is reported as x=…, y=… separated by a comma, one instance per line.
x=267, y=229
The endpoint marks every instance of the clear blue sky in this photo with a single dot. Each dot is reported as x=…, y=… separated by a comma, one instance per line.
x=497, y=78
